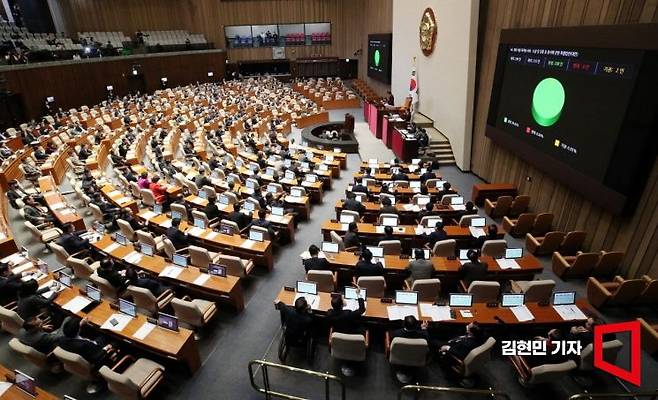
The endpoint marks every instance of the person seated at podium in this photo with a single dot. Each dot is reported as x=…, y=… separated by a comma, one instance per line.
x=427, y=210
x=31, y=301
x=39, y=335
x=128, y=216
x=585, y=333
x=40, y=154
x=315, y=262
x=437, y=235
x=211, y=210
x=365, y=266
x=460, y=346
x=142, y=280
x=428, y=174
x=201, y=180
x=143, y=182
x=359, y=187
x=390, y=100
x=474, y=269
x=398, y=175
x=263, y=222
x=297, y=319
x=237, y=216
x=85, y=152
x=388, y=233
x=110, y=272
x=33, y=212
x=352, y=204
x=411, y=329
x=419, y=267
x=110, y=212
x=9, y=283
x=71, y=240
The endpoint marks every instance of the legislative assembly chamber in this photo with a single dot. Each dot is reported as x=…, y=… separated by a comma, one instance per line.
x=329, y=199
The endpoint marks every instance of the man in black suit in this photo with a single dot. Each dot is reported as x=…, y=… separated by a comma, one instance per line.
x=351, y=238
x=438, y=234
x=108, y=271
x=345, y=321
x=352, y=204
x=474, y=269
x=264, y=223
x=71, y=242
x=365, y=266
x=9, y=284
x=359, y=187
x=427, y=174
x=460, y=346
x=201, y=180
x=177, y=237
x=211, y=210
x=95, y=352
x=425, y=212
x=39, y=336
x=398, y=175
x=447, y=189
x=315, y=262
x=492, y=234
x=297, y=319
x=387, y=206
x=239, y=218
x=30, y=300
x=411, y=329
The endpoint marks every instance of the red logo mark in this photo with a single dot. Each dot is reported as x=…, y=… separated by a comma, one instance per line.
x=634, y=375
x=527, y=130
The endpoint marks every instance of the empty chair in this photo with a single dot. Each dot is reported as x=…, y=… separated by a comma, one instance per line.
x=200, y=257
x=406, y=353
x=194, y=313
x=235, y=265
x=147, y=197
x=348, y=347
x=542, y=245
x=326, y=280
x=375, y=285
x=649, y=295
x=648, y=336
x=520, y=226
x=137, y=381
x=335, y=238
x=391, y=247
x=465, y=220
x=474, y=362
x=10, y=321
x=146, y=302
x=572, y=267
x=107, y=290
x=82, y=269
x=542, y=224
x=572, y=243
x=145, y=237
x=33, y=355
x=539, y=291
x=484, y=291
x=610, y=350
x=127, y=230
x=45, y=236
x=169, y=248
x=494, y=248
x=608, y=263
x=227, y=225
x=619, y=292
x=350, y=214
x=381, y=217
x=545, y=373
x=498, y=208
x=445, y=248
x=77, y=365
x=200, y=215
x=519, y=206
x=428, y=289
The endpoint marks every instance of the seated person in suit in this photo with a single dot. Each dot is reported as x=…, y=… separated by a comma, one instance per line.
x=34, y=214
x=94, y=351
x=359, y=187
x=425, y=212
x=365, y=266
x=353, y=204
x=460, y=346
x=388, y=233
x=411, y=329
x=315, y=262
x=211, y=209
x=492, y=234
x=143, y=280
x=297, y=319
x=201, y=180
x=428, y=174
x=420, y=268
x=447, y=189
x=585, y=333
x=264, y=223
x=398, y=175
x=71, y=241
x=108, y=271
x=437, y=235
x=143, y=181
x=177, y=237
x=387, y=206
x=159, y=191
x=36, y=334
x=345, y=321
x=243, y=220
x=9, y=283
x=110, y=212
x=128, y=216
x=351, y=238
x=30, y=300
x=474, y=269
x=40, y=154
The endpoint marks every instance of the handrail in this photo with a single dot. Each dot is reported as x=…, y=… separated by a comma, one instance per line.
x=630, y=395
x=266, y=380
x=482, y=392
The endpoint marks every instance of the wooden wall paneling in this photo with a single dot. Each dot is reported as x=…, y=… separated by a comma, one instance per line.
x=636, y=234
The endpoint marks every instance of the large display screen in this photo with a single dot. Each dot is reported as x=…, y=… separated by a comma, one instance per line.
x=379, y=57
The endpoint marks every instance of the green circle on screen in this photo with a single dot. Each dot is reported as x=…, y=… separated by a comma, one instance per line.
x=548, y=101
x=377, y=58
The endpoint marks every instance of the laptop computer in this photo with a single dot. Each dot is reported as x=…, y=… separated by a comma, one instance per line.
x=256, y=235
x=25, y=383
x=179, y=260
x=329, y=247
x=514, y=252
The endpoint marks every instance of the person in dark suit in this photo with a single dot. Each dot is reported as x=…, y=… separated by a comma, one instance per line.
x=109, y=272
x=447, y=189
x=39, y=336
x=30, y=301
x=425, y=212
x=585, y=333
x=128, y=216
x=71, y=241
x=177, y=237
x=142, y=280
x=460, y=346
x=388, y=233
x=420, y=268
x=474, y=269
x=411, y=329
x=264, y=223
x=365, y=266
x=201, y=180
x=297, y=319
x=428, y=174
x=239, y=218
x=352, y=204
x=9, y=284
x=438, y=234
x=95, y=351
x=211, y=209
x=351, y=238
x=345, y=321
x=398, y=175
x=387, y=207
x=492, y=234
x=315, y=262
x=359, y=187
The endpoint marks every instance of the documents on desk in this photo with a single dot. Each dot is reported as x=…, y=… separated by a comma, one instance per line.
x=114, y=193
x=396, y=312
x=379, y=229
x=506, y=263
x=111, y=247
x=569, y=312
x=212, y=235
x=171, y=271
x=195, y=231
x=201, y=279
x=522, y=313
x=124, y=200
x=476, y=232
x=133, y=258
x=420, y=230
x=23, y=267
x=248, y=244
x=48, y=293
x=437, y=313
x=143, y=331
x=147, y=215
x=166, y=223
x=57, y=206
x=312, y=299
x=15, y=258
x=353, y=305
x=116, y=322
x=466, y=313
x=76, y=304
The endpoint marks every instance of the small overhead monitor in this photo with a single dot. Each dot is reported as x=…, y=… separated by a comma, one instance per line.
x=65, y=279
x=256, y=235
x=512, y=299
x=426, y=253
x=478, y=222
x=307, y=287
x=323, y=167
x=351, y=293
x=127, y=307
x=406, y=297
x=93, y=293
x=463, y=254
x=456, y=201
x=329, y=247
x=25, y=383
x=514, y=252
x=564, y=298
x=376, y=251
x=460, y=300
x=390, y=221
x=176, y=215
x=238, y=163
x=251, y=184
x=414, y=184
x=157, y=209
x=199, y=223
x=347, y=218
x=296, y=192
x=277, y=211
x=217, y=270
x=122, y=240
x=329, y=157
x=147, y=249
x=168, y=322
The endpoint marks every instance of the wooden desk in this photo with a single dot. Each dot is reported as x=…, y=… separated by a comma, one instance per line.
x=226, y=289
x=313, y=119
x=407, y=212
x=491, y=191
x=14, y=393
x=58, y=205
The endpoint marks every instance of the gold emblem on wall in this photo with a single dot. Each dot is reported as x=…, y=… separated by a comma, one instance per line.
x=427, y=31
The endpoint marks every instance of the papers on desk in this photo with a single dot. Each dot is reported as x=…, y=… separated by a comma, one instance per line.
x=212, y=235
x=276, y=218
x=476, y=232
x=292, y=199
x=399, y=312
x=344, y=227
x=198, y=200
x=196, y=231
x=505, y=263
x=133, y=258
x=411, y=207
x=466, y=313
x=306, y=255
x=76, y=304
x=114, y=193
x=123, y=200
x=15, y=258
x=143, y=331
x=379, y=229
x=312, y=299
x=222, y=206
x=201, y=279
x=147, y=215
x=353, y=305
x=57, y=206
x=420, y=230
x=67, y=211
x=36, y=275
x=4, y=386
x=171, y=271
x=522, y=313
x=248, y=244
x=116, y=322
x=51, y=291
x=110, y=248
x=458, y=207
x=23, y=267
x=166, y=224
x=569, y=312
x=437, y=313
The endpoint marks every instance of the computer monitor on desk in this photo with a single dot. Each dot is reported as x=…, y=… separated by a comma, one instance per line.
x=127, y=308
x=457, y=200
x=390, y=221
x=512, y=253
x=478, y=222
x=176, y=215
x=278, y=211
x=329, y=247
x=25, y=383
x=217, y=270
x=512, y=299
x=93, y=293
x=307, y=287
x=406, y=297
x=460, y=300
x=376, y=251
x=346, y=218
x=564, y=298
x=146, y=249
x=351, y=293
x=256, y=235
x=168, y=322
x=179, y=260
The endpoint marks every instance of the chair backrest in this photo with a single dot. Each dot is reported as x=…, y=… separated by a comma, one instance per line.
x=107, y=290
x=134, y=189
x=408, y=352
x=81, y=269
x=650, y=293
x=539, y=291
x=386, y=215
x=551, y=242
x=181, y=209
x=445, y=248
x=445, y=199
x=550, y=372
x=96, y=212
x=145, y=237
x=147, y=197
x=583, y=264
x=418, y=197
x=29, y=353
x=233, y=226
x=187, y=312
x=169, y=248
x=199, y=257
x=374, y=285
x=465, y=220
x=143, y=299
x=494, y=248
x=477, y=358
x=484, y=291
x=126, y=229
x=196, y=214
x=627, y=292
x=234, y=265
x=523, y=224
x=10, y=321
x=502, y=207
x=324, y=279
x=608, y=263
x=610, y=352
x=428, y=289
x=519, y=205
x=120, y=384
x=542, y=224
x=60, y=253
x=335, y=238
x=572, y=243
x=350, y=213
x=74, y=363
x=350, y=347
x=391, y=247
